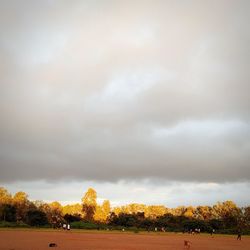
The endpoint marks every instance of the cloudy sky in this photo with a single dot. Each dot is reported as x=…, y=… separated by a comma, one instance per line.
x=145, y=101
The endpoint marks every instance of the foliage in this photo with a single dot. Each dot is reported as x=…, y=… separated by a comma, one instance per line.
x=102, y=212
x=7, y=212
x=21, y=202
x=36, y=218
x=13, y=224
x=84, y=225
x=69, y=218
x=5, y=196
x=89, y=204
x=223, y=217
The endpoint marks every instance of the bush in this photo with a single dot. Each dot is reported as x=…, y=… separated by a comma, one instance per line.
x=193, y=224
x=84, y=225
x=36, y=218
x=13, y=224
x=72, y=218
x=228, y=231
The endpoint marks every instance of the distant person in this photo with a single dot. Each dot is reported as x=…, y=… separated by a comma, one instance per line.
x=68, y=227
x=239, y=236
x=187, y=244
x=64, y=226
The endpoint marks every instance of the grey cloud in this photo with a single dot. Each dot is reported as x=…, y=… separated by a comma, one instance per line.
x=111, y=91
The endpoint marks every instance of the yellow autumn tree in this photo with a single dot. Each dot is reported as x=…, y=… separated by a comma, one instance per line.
x=102, y=212
x=204, y=213
x=134, y=208
x=155, y=211
x=225, y=209
x=21, y=202
x=54, y=213
x=5, y=196
x=189, y=212
x=73, y=209
x=89, y=204
x=5, y=203
x=117, y=210
x=178, y=211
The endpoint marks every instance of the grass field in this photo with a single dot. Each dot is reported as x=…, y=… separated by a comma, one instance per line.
x=30, y=239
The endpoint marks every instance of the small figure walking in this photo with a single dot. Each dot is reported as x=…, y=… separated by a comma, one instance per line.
x=68, y=227
x=187, y=244
x=239, y=236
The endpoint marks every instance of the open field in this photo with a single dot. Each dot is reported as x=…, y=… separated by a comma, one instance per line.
x=76, y=240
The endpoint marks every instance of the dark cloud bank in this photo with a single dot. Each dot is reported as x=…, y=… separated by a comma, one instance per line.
x=125, y=90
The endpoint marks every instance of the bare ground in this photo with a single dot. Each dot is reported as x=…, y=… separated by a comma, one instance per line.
x=73, y=240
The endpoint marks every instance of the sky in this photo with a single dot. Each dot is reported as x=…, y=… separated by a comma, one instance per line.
x=145, y=101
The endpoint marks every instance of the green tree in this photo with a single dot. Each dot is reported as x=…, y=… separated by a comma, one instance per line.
x=7, y=212
x=35, y=217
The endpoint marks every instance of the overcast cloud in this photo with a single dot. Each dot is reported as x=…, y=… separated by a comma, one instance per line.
x=107, y=91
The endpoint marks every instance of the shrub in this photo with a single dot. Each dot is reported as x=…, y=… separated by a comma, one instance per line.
x=84, y=225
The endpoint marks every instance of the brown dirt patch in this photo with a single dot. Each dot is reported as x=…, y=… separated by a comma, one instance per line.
x=39, y=240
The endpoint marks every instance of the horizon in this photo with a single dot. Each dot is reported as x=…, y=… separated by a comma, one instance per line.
x=116, y=205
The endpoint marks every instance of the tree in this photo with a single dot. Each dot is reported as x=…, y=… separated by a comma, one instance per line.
x=204, y=213
x=225, y=209
x=102, y=212
x=55, y=213
x=106, y=210
x=5, y=196
x=73, y=209
x=189, y=212
x=155, y=211
x=247, y=215
x=7, y=212
x=36, y=217
x=126, y=220
x=179, y=211
x=21, y=202
x=89, y=204
x=135, y=208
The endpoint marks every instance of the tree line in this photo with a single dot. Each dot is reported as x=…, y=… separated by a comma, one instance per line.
x=223, y=217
